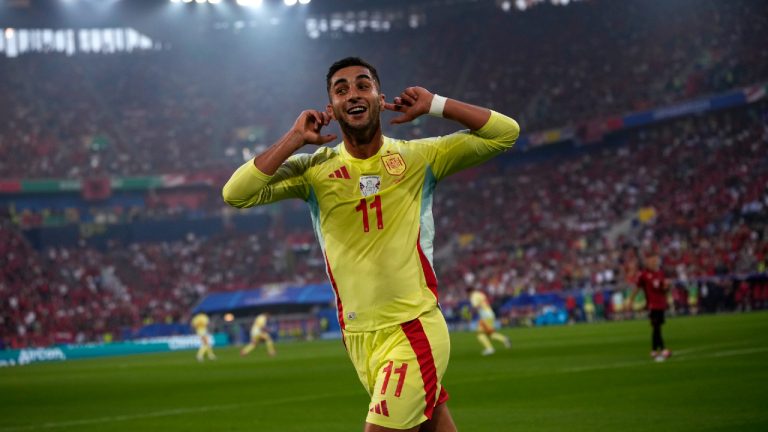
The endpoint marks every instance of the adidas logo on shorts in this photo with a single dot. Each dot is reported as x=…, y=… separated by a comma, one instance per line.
x=380, y=408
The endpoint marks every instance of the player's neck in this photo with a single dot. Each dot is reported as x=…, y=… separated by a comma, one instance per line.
x=362, y=144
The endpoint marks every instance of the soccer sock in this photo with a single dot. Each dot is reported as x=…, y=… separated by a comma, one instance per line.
x=270, y=347
x=658, y=343
x=484, y=341
x=201, y=352
x=211, y=355
x=248, y=348
x=501, y=338
x=661, y=339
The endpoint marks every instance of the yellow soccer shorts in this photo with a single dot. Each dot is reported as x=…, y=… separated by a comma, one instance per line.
x=402, y=367
x=203, y=333
x=486, y=322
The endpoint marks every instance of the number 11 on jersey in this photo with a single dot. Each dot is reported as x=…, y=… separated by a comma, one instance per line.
x=363, y=208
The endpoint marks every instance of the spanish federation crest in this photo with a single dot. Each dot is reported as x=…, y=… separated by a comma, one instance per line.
x=370, y=184
x=394, y=164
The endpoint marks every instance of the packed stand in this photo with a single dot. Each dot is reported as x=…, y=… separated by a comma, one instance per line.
x=695, y=189
x=162, y=112
x=79, y=294
x=569, y=65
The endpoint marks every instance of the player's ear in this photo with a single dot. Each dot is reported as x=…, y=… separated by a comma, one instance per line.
x=329, y=111
x=382, y=100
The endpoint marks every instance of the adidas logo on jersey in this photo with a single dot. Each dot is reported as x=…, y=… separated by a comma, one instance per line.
x=380, y=408
x=340, y=173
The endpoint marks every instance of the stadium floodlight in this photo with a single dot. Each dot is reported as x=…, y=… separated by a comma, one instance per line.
x=289, y=2
x=175, y=1
x=251, y=3
x=506, y=5
x=199, y=1
x=304, y=1
x=10, y=33
x=187, y=1
x=214, y=1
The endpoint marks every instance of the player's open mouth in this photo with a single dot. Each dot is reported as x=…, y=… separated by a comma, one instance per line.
x=357, y=110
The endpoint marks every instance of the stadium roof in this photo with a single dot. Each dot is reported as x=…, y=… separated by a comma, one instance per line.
x=83, y=13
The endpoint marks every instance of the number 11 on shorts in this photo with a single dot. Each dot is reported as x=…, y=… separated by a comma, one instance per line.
x=400, y=380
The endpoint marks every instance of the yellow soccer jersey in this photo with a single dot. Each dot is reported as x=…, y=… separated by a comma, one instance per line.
x=373, y=217
x=480, y=301
x=200, y=322
x=259, y=323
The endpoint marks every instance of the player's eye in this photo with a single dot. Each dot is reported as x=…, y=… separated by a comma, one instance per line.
x=341, y=90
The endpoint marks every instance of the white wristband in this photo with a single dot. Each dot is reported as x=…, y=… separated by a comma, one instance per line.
x=437, y=106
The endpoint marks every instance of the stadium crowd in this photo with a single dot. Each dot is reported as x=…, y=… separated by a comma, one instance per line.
x=562, y=220
x=609, y=58
x=161, y=112
x=81, y=293
x=694, y=189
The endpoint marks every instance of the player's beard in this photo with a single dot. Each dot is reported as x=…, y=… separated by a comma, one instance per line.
x=361, y=132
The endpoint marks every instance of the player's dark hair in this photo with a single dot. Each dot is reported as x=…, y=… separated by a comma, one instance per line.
x=347, y=62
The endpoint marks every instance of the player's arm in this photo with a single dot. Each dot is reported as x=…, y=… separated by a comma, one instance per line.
x=273, y=175
x=666, y=284
x=414, y=102
x=474, y=301
x=490, y=133
x=633, y=294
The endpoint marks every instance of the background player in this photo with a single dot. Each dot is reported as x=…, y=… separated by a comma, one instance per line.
x=200, y=324
x=259, y=333
x=370, y=199
x=486, y=322
x=651, y=280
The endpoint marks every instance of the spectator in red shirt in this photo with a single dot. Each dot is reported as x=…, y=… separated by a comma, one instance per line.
x=651, y=280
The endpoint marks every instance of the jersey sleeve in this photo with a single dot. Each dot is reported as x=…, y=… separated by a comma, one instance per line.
x=250, y=187
x=451, y=153
x=476, y=300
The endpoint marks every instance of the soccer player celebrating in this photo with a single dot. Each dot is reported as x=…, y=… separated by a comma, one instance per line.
x=200, y=324
x=651, y=280
x=486, y=322
x=370, y=199
x=259, y=333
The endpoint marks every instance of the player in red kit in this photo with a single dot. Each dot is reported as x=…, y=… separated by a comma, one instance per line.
x=651, y=280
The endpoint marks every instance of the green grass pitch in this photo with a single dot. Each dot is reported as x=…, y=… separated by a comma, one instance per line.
x=577, y=378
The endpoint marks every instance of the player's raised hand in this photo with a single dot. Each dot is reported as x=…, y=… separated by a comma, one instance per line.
x=309, y=124
x=412, y=103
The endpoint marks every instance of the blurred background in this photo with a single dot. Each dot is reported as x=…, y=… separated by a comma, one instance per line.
x=644, y=127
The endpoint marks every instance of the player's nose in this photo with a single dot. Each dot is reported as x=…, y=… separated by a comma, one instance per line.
x=353, y=98
x=353, y=94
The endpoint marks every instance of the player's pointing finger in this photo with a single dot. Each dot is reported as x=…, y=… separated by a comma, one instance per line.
x=407, y=99
x=412, y=93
